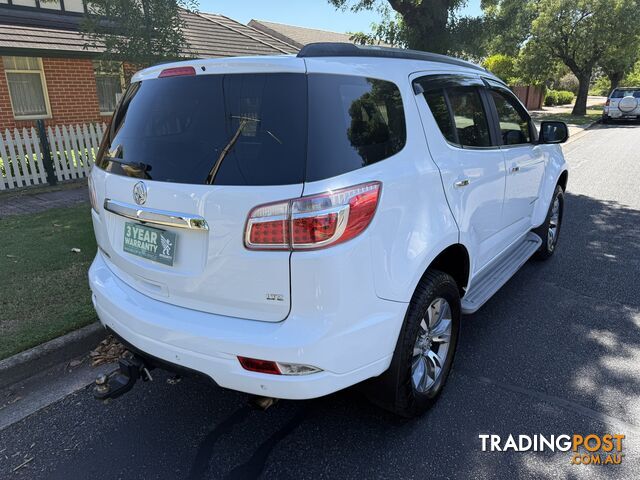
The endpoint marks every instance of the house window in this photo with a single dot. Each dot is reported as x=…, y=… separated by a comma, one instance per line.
x=51, y=4
x=109, y=83
x=74, y=6
x=27, y=87
x=25, y=3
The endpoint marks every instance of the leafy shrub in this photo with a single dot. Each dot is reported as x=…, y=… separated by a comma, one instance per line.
x=564, y=97
x=551, y=98
x=558, y=97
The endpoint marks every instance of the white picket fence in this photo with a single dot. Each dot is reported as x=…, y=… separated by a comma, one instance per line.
x=73, y=151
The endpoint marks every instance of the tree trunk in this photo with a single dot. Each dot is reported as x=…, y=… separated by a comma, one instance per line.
x=580, y=108
x=615, y=78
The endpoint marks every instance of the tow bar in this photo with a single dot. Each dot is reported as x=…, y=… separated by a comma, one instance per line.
x=130, y=369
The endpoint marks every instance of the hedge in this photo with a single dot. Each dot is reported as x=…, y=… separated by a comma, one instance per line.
x=558, y=97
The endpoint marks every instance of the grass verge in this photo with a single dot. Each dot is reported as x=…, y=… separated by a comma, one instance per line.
x=44, y=292
x=593, y=114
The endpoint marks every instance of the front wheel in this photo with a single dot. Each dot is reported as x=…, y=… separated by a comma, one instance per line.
x=549, y=231
x=425, y=349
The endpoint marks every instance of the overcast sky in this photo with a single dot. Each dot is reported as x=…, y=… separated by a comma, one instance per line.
x=305, y=13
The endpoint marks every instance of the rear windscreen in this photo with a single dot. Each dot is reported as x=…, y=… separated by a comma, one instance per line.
x=253, y=129
x=625, y=93
x=241, y=129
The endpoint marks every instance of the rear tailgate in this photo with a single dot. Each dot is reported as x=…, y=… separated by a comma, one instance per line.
x=169, y=136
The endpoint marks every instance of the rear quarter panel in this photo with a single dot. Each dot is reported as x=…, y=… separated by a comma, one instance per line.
x=413, y=223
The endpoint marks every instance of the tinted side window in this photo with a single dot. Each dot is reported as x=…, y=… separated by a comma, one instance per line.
x=353, y=122
x=469, y=117
x=177, y=129
x=438, y=106
x=514, y=124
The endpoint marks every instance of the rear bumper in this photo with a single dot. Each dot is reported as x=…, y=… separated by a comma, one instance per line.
x=348, y=350
x=615, y=114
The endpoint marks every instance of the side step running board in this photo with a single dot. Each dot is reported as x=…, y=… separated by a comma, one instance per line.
x=496, y=275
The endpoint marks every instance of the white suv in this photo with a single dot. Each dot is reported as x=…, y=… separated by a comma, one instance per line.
x=622, y=103
x=291, y=226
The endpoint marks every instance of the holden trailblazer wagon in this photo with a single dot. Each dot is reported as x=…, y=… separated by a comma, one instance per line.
x=290, y=226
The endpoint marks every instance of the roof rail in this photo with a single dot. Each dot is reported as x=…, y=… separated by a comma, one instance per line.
x=336, y=49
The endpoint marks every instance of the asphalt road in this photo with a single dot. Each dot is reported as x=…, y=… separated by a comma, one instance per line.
x=556, y=351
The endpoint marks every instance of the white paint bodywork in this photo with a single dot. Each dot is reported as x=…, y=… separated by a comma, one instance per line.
x=344, y=306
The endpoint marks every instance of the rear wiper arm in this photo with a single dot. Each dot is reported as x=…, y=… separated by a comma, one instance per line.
x=135, y=165
x=225, y=151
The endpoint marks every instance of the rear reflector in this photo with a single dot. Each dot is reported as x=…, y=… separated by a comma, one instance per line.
x=313, y=222
x=276, y=368
x=262, y=366
x=177, y=72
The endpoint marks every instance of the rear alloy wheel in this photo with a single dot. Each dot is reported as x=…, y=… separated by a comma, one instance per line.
x=425, y=349
x=431, y=346
x=549, y=231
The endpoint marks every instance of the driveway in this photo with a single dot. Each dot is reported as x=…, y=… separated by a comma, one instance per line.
x=556, y=351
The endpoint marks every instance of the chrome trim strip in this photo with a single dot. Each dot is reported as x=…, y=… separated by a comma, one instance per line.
x=156, y=217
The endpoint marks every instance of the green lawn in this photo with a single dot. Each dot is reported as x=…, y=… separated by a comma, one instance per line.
x=593, y=114
x=44, y=292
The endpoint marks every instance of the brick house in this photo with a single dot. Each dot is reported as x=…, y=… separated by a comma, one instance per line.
x=46, y=73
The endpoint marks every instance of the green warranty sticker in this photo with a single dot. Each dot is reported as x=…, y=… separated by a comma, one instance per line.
x=150, y=243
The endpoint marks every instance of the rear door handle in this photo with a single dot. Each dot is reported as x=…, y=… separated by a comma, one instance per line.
x=462, y=183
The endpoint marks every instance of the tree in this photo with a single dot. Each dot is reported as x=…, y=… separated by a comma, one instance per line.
x=579, y=34
x=507, y=24
x=421, y=24
x=620, y=57
x=142, y=32
x=391, y=31
x=503, y=66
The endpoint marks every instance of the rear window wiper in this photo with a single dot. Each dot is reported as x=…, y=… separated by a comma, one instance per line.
x=134, y=165
x=225, y=151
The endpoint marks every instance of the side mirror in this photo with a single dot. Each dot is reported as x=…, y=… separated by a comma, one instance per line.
x=553, y=132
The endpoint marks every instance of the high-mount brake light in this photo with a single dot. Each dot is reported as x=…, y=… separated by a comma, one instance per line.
x=177, y=72
x=313, y=222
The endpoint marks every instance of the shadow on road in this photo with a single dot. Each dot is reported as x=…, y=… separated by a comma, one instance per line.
x=565, y=333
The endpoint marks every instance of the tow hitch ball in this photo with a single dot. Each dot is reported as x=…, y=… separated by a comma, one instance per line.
x=120, y=381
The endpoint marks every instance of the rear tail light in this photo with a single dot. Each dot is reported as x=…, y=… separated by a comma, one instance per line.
x=276, y=368
x=177, y=72
x=608, y=102
x=313, y=222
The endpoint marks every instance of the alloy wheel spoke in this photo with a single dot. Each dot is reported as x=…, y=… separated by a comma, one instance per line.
x=423, y=327
x=424, y=381
x=435, y=311
x=442, y=332
x=436, y=362
x=418, y=372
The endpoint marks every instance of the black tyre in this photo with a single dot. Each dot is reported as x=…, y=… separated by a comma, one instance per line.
x=425, y=349
x=606, y=119
x=549, y=231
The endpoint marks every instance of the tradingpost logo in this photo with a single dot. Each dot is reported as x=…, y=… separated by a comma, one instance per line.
x=588, y=449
